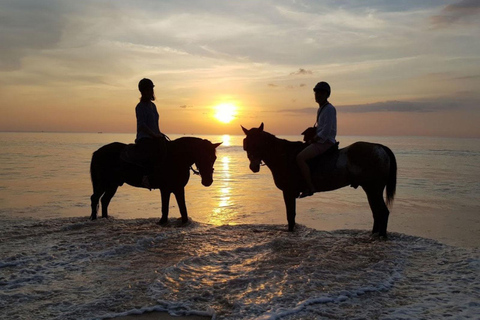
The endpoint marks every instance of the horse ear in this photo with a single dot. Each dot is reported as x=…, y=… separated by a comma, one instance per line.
x=244, y=130
x=261, y=127
x=215, y=145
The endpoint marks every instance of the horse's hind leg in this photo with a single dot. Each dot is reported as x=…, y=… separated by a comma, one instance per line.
x=109, y=193
x=94, y=199
x=379, y=210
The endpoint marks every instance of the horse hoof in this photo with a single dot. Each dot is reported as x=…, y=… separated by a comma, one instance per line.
x=377, y=236
x=184, y=220
x=93, y=218
x=163, y=221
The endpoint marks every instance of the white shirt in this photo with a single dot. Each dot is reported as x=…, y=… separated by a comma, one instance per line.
x=327, y=123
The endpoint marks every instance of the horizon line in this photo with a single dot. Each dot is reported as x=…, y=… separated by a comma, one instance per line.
x=223, y=134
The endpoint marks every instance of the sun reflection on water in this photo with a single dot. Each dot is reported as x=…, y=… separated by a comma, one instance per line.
x=224, y=211
x=226, y=140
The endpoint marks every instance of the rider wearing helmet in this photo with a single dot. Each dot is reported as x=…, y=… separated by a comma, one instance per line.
x=326, y=131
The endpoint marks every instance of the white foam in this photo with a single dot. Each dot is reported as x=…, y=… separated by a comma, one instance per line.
x=77, y=269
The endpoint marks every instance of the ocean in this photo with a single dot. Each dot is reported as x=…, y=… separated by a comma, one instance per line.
x=235, y=260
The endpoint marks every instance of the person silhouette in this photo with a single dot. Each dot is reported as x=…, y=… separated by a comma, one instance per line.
x=149, y=141
x=326, y=131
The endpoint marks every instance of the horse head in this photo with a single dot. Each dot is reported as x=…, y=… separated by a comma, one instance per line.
x=254, y=145
x=204, y=160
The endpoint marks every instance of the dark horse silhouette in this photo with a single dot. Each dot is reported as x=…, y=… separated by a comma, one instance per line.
x=108, y=172
x=369, y=165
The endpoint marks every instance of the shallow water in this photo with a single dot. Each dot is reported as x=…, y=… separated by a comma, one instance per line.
x=235, y=260
x=70, y=268
x=46, y=175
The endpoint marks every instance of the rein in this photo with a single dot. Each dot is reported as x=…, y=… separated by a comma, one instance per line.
x=195, y=172
x=270, y=142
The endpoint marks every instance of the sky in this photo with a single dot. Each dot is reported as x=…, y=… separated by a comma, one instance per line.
x=395, y=67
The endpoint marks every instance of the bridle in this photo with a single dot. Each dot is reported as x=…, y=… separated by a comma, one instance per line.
x=198, y=171
x=250, y=155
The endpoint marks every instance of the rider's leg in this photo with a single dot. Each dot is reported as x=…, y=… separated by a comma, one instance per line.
x=155, y=151
x=306, y=154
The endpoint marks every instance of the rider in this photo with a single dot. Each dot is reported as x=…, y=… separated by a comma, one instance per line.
x=150, y=142
x=326, y=130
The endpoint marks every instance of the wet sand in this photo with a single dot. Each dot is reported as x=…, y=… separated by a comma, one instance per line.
x=155, y=315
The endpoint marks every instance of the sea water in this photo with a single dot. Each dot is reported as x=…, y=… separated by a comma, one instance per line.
x=235, y=260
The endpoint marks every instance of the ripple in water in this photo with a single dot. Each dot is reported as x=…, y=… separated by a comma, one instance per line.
x=77, y=269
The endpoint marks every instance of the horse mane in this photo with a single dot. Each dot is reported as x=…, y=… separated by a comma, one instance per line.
x=185, y=141
x=296, y=146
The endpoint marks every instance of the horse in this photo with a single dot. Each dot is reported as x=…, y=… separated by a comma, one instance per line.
x=109, y=171
x=369, y=165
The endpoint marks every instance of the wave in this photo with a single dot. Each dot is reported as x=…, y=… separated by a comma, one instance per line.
x=71, y=268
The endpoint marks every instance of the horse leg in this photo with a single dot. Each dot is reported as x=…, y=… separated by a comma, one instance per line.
x=165, y=206
x=97, y=185
x=290, y=205
x=180, y=196
x=109, y=193
x=94, y=199
x=379, y=210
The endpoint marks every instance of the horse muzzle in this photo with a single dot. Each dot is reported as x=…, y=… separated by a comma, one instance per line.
x=255, y=165
x=207, y=182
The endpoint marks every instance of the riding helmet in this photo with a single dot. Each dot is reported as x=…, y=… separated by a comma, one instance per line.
x=145, y=84
x=322, y=86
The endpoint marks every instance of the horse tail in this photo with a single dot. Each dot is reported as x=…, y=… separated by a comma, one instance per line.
x=392, y=176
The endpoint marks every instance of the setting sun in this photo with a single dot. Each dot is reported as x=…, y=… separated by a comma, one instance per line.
x=225, y=112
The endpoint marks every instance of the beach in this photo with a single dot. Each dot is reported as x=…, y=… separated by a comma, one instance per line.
x=159, y=316
x=72, y=268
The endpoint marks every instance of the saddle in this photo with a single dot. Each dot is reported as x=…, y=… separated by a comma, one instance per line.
x=145, y=155
x=327, y=161
x=130, y=155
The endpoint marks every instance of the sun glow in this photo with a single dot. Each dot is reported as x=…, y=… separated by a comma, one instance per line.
x=225, y=112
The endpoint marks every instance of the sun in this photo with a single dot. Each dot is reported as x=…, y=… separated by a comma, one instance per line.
x=225, y=112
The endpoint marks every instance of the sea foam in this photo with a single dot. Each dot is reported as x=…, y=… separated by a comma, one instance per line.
x=72, y=268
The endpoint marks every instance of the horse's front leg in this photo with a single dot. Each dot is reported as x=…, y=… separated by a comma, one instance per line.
x=290, y=204
x=165, y=205
x=180, y=196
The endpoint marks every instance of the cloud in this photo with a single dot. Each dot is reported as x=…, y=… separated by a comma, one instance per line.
x=301, y=71
x=398, y=106
x=299, y=111
x=26, y=27
x=465, y=11
x=390, y=106
x=290, y=86
x=471, y=77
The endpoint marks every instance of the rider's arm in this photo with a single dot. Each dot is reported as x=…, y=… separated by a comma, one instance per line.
x=148, y=131
x=142, y=124
x=326, y=124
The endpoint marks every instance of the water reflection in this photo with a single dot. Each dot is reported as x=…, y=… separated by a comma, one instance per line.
x=224, y=210
x=226, y=140
x=226, y=168
x=224, y=197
